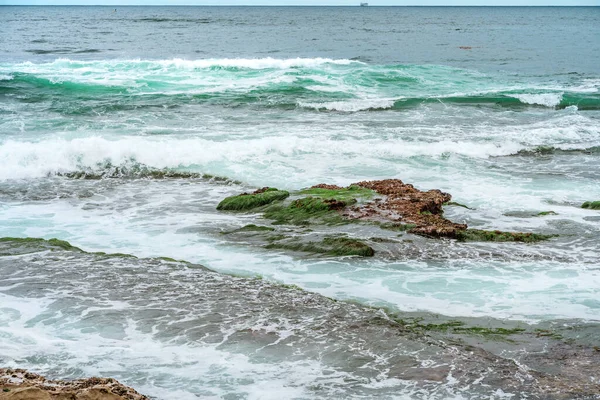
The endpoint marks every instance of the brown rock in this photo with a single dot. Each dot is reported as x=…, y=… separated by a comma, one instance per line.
x=18, y=384
x=404, y=204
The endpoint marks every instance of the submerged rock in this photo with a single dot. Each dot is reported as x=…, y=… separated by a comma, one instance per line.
x=478, y=235
x=339, y=246
x=370, y=352
x=18, y=384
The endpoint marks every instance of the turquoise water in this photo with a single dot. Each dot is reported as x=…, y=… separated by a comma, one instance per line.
x=283, y=97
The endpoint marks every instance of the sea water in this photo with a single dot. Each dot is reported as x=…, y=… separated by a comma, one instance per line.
x=498, y=106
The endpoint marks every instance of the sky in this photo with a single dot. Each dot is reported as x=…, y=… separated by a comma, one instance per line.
x=312, y=2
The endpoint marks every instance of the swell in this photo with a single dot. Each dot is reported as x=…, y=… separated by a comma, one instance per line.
x=310, y=84
x=565, y=100
x=288, y=95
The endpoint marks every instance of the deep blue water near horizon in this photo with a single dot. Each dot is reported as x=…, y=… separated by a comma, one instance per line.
x=546, y=39
x=499, y=106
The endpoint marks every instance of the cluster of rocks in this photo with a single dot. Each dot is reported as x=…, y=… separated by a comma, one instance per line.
x=390, y=204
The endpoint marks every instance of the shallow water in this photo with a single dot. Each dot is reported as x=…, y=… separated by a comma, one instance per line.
x=111, y=138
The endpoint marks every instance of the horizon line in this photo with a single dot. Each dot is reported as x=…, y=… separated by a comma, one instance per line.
x=293, y=5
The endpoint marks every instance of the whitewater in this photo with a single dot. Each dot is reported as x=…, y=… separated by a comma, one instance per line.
x=125, y=142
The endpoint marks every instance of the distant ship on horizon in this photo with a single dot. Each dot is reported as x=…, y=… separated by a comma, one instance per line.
x=364, y=4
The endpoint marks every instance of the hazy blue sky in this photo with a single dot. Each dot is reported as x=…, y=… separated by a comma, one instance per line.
x=315, y=2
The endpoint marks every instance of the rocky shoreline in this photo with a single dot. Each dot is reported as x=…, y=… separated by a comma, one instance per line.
x=19, y=384
x=543, y=361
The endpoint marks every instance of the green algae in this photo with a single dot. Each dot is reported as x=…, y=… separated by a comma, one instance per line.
x=544, y=213
x=245, y=202
x=418, y=326
x=306, y=211
x=290, y=286
x=478, y=235
x=250, y=228
x=382, y=240
x=348, y=195
x=397, y=226
x=53, y=242
x=548, y=333
x=328, y=246
x=62, y=244
x=592, y=205
x=172, y=260
x=274, y=238
x=455, y=327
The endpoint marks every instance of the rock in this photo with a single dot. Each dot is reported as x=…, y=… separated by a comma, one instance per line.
x=18, y=384
x=390, y=203
x=407, y=205
x=248, y=201
x=592, y=205
x=338, y=246
x=328, y=187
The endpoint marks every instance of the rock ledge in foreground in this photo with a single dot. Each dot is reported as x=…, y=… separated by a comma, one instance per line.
x=18, y=384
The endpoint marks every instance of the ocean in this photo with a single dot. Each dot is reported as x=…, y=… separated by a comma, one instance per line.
x=121, y=130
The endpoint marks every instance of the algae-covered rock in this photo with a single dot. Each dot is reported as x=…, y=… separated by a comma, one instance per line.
x=306, y=210
x=321, y=206
x=478, y=235
x=42, y=242
x=333, y=246
x=347, y=195
x=592, y=205
x=390, y=204
x=248, y=201
x=251, y=228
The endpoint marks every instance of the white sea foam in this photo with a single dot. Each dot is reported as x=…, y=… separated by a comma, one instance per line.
x=351, y=105
x=178, y=63
x=154, y=219
x=543, y=99
x=27, y=160
x=139, y=354
x=296, y=154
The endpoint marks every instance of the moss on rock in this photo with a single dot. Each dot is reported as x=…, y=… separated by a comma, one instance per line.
x=306, y=210
x=53, y=242
x=478, y=235
x=248, y=201
x=348, y=195
x=544, y=213
x=397, y=226
x=328, y=246
x=251, y=228
x=453, y=326
x=592, y=205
